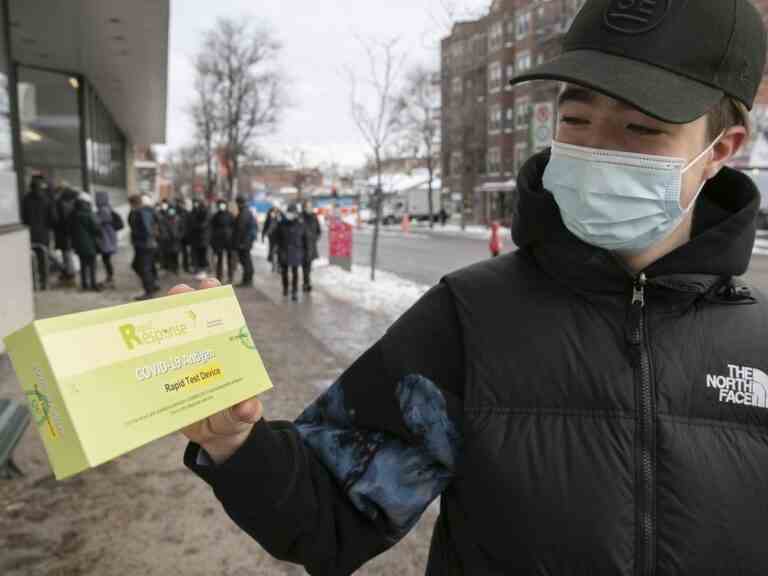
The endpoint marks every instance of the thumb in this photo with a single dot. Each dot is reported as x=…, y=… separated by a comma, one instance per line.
x=247, y=412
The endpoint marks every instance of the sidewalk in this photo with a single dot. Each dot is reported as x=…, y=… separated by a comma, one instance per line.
x=145, y=513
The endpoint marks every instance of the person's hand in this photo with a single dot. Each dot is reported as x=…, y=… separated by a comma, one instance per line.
x=223, y=433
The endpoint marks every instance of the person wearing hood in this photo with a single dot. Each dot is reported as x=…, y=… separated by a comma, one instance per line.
x=110, y=222
x=595, y=402
x=86, y=239
x=291, y=248
x=39, y=214
x=222, y=234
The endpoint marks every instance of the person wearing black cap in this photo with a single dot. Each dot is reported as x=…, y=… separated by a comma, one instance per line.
x=593, y=403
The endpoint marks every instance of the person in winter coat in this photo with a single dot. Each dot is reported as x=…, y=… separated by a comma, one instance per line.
x=39, y=214
x=65, y=206
x=143, y=225
x=313, y=232
x=246, y=233
x=108, y=243
x=291, y=249
x=496, y=244
x=86, y=240
x=183, y=215
x=595, y=402
x=274, y=217
x=222, y=234
x=199, y=236
x=170, y=236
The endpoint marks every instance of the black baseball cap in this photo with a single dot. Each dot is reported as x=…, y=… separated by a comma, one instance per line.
x=672, y=59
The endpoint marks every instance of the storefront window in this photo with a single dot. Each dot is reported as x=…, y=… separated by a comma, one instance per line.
x=50, y=126
x=9, y=198
x=105, y=145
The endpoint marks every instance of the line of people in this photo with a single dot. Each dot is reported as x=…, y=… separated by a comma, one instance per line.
x=172, y=237
x=68, y=217
x=293, y=238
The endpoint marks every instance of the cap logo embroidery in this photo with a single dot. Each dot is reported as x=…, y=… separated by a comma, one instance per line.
x=635, y=16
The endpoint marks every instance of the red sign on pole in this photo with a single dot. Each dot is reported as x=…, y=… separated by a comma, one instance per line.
x=340, y=243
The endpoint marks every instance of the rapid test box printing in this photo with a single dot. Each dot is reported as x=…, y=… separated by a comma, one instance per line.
x=102, y=383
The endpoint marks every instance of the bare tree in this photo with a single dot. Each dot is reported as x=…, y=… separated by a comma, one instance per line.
x=419, y=120
x=205, y=119
x=183, y=164
x=240, y=62
x=374, y=107
x=298, y=159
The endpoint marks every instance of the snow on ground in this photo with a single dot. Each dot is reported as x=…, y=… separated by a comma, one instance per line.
x=390, y=295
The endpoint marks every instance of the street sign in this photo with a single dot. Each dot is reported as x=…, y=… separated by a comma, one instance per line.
x=340, y=243
x=542, y=127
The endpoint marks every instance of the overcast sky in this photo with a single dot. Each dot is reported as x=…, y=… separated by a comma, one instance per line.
x=318, y=39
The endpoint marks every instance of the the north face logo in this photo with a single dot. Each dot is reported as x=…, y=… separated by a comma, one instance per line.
x=635, y=16
x=743, y=385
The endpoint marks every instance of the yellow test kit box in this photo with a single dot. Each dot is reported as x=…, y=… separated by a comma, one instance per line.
x=104, y=382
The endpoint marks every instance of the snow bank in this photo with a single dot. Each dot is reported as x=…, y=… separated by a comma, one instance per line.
x=390, y=295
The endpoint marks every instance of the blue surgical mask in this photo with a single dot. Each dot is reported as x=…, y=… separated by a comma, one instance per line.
x=619, y=201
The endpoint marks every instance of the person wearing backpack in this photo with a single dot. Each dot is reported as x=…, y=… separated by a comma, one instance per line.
x=111, y=223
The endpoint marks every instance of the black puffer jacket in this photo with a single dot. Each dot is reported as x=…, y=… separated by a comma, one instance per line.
x=574, y=418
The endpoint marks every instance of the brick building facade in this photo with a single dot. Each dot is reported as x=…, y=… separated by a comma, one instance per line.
x=489, y=128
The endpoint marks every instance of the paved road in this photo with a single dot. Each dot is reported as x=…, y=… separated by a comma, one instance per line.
x=421, y=256
x=425, y=257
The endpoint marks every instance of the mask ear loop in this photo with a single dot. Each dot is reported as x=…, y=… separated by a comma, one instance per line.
x=704, y=153
x=693, y=163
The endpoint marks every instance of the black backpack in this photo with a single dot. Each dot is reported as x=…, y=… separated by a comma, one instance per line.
x=117, y=221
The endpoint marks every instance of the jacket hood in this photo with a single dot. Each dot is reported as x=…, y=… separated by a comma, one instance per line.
x=724, y=226
x=102, y=198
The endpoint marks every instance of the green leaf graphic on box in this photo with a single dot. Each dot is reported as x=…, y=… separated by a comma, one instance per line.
x=245, y=338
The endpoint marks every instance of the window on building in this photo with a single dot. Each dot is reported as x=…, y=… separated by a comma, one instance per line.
x=9, y=197
x=496, y=37
x=523, y=25
x=509, y=164
x=495, y=116
x=510, y=71
x=523, y=61
x=494, y=77
x=456, y=163
x=49, y=111
x=457, y=86
x=105, y=146
x=494, y=160
x=522, y=112
x=510, y=32
x=521, y=155
x=509, y=119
